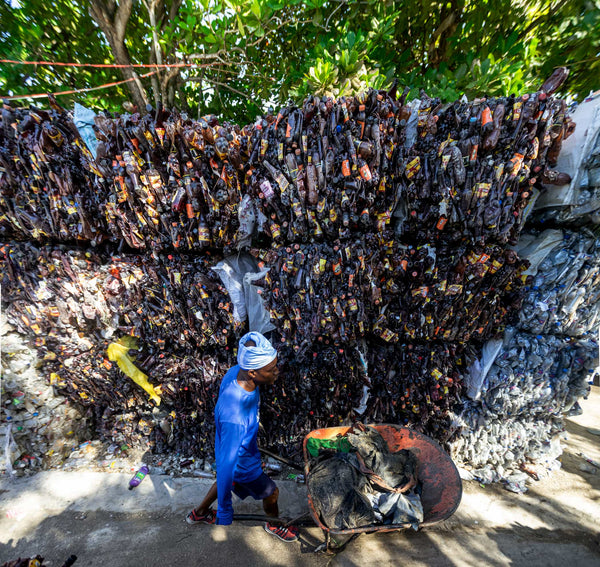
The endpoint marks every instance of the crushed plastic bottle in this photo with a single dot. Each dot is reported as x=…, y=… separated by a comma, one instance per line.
x=138, y=477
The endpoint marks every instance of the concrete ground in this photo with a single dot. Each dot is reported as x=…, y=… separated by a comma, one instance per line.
x=94, y=516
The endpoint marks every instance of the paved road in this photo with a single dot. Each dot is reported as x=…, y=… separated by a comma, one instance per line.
x=94, y=516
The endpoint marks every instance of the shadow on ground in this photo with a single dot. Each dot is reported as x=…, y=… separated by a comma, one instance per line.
x=555, y=524
x=127, y=540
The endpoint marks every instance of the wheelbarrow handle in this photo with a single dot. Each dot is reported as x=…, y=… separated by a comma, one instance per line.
x=288, y=462
x=303, y=520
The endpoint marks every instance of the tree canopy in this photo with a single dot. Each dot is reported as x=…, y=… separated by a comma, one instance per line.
x=243, y=56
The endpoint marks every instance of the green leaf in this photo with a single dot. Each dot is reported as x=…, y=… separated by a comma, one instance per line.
x=485, y=66
x=489, y=49
x=240, y=26
x=511, y=40
x=460, y=72
x=351, y=37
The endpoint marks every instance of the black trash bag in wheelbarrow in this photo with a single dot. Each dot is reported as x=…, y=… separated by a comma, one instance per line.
x=337, y=489
x=397, y=472
x=358, y=489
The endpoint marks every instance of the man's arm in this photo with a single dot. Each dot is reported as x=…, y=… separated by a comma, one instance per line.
x=231, y=437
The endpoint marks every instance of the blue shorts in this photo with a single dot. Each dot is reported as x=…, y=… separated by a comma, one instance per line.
x=259, y=488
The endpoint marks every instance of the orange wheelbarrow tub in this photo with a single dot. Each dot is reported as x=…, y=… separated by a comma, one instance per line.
x=441, y=483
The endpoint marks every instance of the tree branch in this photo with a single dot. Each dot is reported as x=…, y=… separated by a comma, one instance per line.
x=172, y=74
x=99, y=14
x=284, y=23
x=121, y=19
x=216, y=55
x=214, y=82
x=443, y=32
x=155, y=80
x=112, y=19
x=173, y=11
x=326, y=26
x=448, y=21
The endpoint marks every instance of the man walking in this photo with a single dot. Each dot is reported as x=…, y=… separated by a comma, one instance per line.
x=239, y=467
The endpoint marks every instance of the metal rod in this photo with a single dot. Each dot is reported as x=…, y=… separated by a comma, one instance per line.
x=257, y=518
x=299, y=521
x=288, y=462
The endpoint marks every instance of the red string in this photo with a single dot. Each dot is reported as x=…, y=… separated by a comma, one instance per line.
x=105, y=86
x=102, y=65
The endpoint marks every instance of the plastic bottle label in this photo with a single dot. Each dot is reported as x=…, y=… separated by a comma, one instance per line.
x=388, y=335
x=495, y=266
x=473, y=152
x=282, y=182
x=517, y=110
x=346, y=168
x=365, y=172
x=203, y=237
x=413, y=167
x=275, y=232
x=441, y=223
x=267, y=189
x=436, y=374
x=482, y=190
x=486, y=116
x=422, y=291
x=454, y=289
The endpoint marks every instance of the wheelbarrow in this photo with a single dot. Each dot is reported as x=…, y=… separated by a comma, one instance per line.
x=441, y=486
x=440, y=482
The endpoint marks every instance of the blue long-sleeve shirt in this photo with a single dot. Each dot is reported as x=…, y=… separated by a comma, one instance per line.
x=236, y=450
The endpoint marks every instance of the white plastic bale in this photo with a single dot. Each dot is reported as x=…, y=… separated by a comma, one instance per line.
x=564, y=297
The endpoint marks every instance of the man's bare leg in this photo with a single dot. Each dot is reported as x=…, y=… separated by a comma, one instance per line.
x=210, y=497
x=270, y=504
x=287, y=534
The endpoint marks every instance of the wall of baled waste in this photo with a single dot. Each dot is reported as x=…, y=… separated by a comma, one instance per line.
x=520, y=388
x=372, y=238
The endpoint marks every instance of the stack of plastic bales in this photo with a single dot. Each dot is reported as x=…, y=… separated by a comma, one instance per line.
x=577, y=202
x=520, y=389
x=379, y=231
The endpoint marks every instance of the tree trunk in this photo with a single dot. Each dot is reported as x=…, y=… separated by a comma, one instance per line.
x=450, y=18
x=156, y=56
x=112, y=18
x=155, y=80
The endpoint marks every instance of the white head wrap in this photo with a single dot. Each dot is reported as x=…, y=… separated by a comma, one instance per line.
x=255, y=357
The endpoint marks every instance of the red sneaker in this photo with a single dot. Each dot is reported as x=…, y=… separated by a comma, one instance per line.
x=209, y=518
x=284, y=534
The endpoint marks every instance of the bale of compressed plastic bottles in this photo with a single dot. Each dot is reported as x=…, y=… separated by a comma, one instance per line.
x=380, y=231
